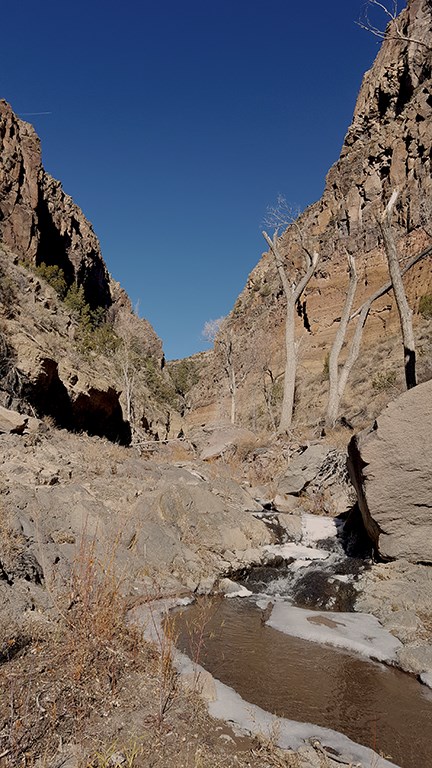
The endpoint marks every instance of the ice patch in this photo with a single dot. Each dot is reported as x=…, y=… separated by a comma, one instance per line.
x=298, y=564
x=296, y=551
x=358, y=632
x=426, y=678
x=341, y=577
x=316, y=528
x=241, y=592
x=225, y=704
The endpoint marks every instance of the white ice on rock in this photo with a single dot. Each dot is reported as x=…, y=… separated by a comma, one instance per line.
x=233, y=589
x=296, y=551
x=426, y=678
x=359, y=632
x=317, y=528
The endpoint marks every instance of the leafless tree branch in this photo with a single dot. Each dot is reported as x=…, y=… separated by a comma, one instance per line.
x=391, y=29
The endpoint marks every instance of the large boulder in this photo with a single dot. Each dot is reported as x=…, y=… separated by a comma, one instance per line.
x=390, y=466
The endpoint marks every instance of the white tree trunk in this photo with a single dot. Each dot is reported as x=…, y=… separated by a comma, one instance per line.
x=232, y=383
x=287, y=409
x=335, y=389
x=292, y=293
x=362, y=313
x=405, y=314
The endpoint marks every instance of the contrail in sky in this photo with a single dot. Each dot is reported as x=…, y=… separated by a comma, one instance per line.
x=28, y=114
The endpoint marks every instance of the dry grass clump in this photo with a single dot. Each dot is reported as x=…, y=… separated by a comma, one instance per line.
x=175, y=450
x=91, y=689
x=425, y=631
x=338, y=437
x=12, y=541
x=257, y=460
x=74, y=671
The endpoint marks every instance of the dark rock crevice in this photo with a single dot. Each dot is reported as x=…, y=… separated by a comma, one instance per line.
x=97, y=412
x=52, y=246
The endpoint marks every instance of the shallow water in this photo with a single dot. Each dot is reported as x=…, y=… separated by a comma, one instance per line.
x=376, y=706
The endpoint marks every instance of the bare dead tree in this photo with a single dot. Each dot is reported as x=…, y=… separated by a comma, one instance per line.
x=125, y=361
x=391, y=27
x=293, y=285
x=338, y=377
x=404, y=310
x=362, y=314
x=217, y=332
x=268, y=384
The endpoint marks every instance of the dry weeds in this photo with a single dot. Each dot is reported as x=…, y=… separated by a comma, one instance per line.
x=89, y=685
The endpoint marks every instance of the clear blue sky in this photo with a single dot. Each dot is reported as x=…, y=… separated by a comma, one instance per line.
x=174, y=124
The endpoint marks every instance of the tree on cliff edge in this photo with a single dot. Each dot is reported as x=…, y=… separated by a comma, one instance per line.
x=294, y=282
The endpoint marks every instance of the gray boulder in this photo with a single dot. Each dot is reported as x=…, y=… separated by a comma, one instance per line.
x=390, y=467
x=216, y=440
x=315, y=479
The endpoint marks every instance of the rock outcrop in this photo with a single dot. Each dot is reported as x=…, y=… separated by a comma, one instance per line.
x=391, y=470
x=388, y=145
x=43, y=369
x=38, y=221
x=176, y=526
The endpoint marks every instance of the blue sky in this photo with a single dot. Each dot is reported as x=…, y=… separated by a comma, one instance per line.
x=173, y=125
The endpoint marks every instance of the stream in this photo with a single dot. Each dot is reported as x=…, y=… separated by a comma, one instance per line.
x=312, y=663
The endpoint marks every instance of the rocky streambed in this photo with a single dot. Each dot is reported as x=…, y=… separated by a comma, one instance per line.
x=295, y=645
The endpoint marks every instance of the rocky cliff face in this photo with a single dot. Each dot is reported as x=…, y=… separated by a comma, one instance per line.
x=47, y=366
x=388, y=146
x=38, y=221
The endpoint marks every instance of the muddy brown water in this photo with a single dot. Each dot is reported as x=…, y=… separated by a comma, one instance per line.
x=374, y=705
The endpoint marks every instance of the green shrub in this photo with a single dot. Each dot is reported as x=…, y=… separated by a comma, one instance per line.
x=54, y=276
x=158, y=385
x=184, y=375
x=425, y=305
x=76, y=303
x=265, y=290
x=101, y=339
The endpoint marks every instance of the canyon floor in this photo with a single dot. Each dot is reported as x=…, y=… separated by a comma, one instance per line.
x=91, y=531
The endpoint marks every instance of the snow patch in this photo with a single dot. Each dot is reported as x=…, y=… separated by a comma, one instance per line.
x=316, y=528
x=426, y=678
x=296, y=551
x=357, y=632
x=232, y=589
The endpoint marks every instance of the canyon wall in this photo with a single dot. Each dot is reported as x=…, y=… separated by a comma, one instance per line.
x=53, y=362
x=387, y=146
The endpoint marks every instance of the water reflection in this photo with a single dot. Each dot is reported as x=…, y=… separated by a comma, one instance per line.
x=376, y=706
